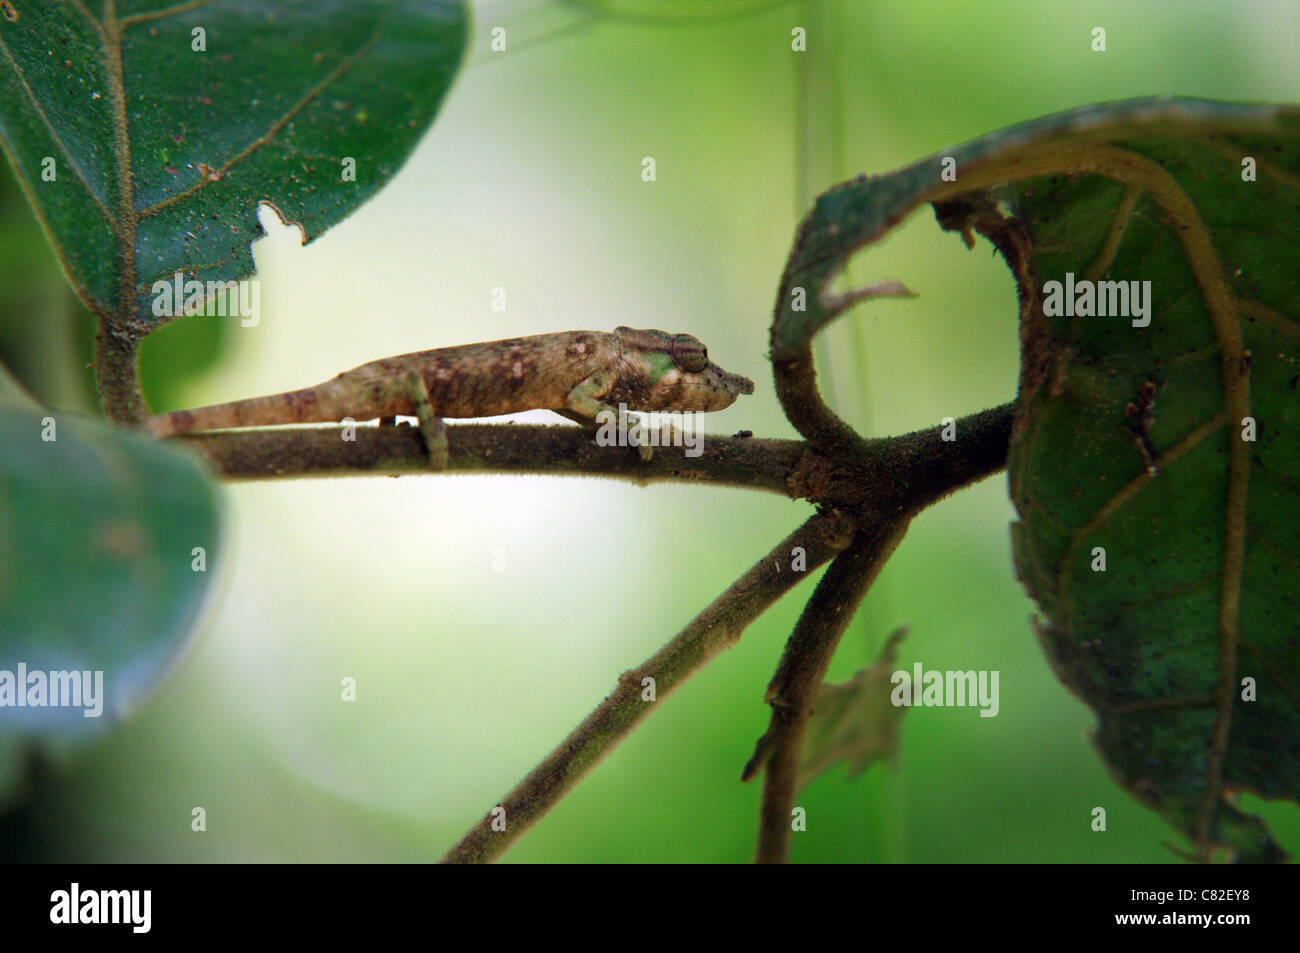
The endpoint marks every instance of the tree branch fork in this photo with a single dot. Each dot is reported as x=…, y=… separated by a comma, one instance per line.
x=865, y=504
x=866, y=492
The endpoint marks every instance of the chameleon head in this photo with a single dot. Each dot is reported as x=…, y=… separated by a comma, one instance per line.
x=662, y=371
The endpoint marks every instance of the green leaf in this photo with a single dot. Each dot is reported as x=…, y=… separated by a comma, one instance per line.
x=162, y=150
x=98, y=532
x=1130, y=439
x=855, y=722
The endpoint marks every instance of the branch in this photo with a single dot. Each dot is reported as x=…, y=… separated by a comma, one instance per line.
x=718, y=627
x=877, y=490
x=903, y=475
x=908, y=472
x=491, y=448
x=793, y=690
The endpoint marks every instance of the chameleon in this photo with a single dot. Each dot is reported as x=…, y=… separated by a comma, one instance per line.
x=577, y=374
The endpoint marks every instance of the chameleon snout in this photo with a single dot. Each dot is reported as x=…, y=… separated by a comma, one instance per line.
x=723, y=388
x=733, y=384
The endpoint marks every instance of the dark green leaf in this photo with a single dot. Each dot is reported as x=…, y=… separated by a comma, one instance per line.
x=162, y=151
x=1130, y=438
x=98, y=533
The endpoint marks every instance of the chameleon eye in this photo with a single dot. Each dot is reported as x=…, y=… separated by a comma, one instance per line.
x=689, y=354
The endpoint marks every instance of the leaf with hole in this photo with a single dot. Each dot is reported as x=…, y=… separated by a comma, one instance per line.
x=1155, y=460
x=146, y=133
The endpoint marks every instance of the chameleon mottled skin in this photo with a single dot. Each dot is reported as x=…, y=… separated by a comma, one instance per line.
x=575, y=373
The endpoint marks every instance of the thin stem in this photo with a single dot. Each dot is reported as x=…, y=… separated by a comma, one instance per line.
x=799, y=677
x=716, y=628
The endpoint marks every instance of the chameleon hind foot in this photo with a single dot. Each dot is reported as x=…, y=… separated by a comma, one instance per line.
x=432, y=427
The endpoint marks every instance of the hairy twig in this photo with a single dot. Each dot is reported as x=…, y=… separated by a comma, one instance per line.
x=905, y=472
x=117, y=376
x=492, y=448
x=718, y=627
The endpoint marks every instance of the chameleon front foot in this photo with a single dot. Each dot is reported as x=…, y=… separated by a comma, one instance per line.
x=665, y=435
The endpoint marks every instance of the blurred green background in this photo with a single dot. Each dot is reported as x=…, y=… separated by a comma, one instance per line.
x=530, y=181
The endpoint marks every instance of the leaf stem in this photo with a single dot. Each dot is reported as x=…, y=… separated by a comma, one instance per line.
x=117, y=375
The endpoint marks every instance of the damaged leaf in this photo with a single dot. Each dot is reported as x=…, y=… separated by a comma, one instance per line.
x=145, y=134
x=1155, y=459
x=855, y=721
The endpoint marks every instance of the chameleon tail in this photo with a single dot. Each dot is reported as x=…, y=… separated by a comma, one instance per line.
x=306, y=406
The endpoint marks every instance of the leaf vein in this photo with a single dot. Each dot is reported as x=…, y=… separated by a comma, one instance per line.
x=279, y=124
